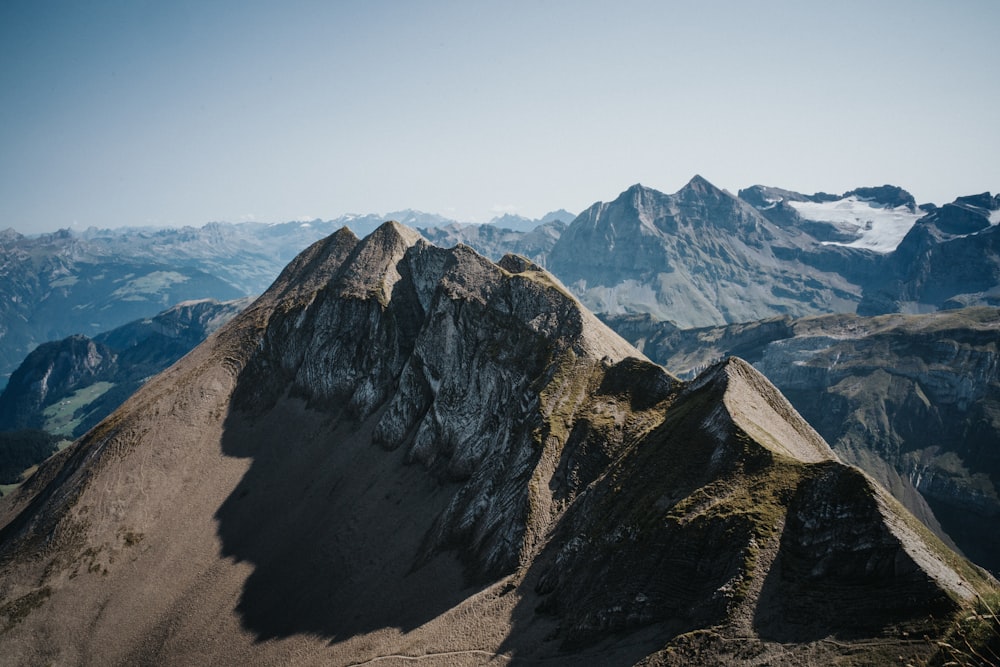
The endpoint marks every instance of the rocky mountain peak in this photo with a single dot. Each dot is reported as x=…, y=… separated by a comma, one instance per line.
x=953, y=221
x=561, y=215
x=985, y=201
x=948, y=259
x=698, y=189
x=10, y=235
x=359, y=267
x=314, y=266
x=699, y=186
x=764, y=197
x=372, y=263
x=46, y=374
x=691, y=258
x=639, y=198
x=756, y=406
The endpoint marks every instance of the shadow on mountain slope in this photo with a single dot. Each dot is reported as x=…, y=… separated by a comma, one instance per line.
x=333, y=526
x=837, y=572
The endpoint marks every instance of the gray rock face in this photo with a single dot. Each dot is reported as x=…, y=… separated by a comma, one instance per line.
x=444, y=334
x=816, y=574
x=698, y=257
x=188, y=323
x=51, y=372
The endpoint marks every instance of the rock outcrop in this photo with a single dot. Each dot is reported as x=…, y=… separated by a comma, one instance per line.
x=401, y=451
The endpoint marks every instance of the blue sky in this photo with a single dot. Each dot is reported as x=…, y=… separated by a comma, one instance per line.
x=180, y=113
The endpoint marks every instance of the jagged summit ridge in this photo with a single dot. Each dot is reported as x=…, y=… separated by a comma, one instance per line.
x=700, y=186
x=421, y=339
x=372, y=261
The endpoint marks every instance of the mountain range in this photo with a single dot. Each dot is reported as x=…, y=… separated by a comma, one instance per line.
x=57, y=285
x=908, y=399
x=698, y=256
x=703, y=256
x=404, y=452
x=950, y=258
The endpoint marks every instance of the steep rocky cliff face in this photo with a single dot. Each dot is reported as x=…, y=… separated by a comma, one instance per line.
x=458, y=357
x=405, y=452
x=699, y=257
x=914, y=400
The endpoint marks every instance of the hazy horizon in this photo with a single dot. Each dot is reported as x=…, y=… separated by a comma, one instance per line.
x=150, y=114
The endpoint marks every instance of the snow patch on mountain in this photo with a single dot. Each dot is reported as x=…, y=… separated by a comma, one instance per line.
x=878, y=228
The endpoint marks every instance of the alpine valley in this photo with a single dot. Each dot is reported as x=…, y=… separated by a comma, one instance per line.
x=422, y=445
x=65, y=387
